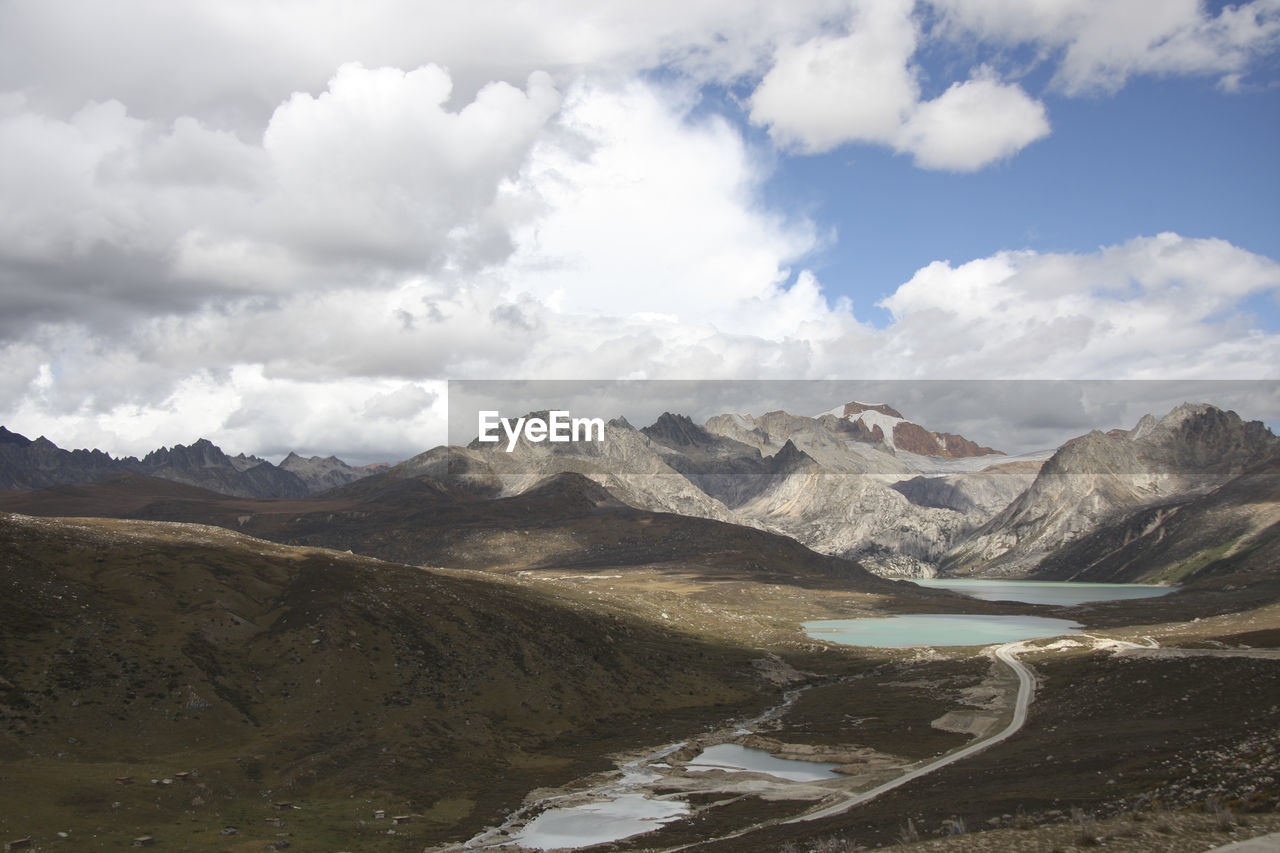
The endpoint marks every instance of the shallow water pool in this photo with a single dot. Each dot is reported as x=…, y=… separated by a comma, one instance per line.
x=735, y=757
x=936, y=629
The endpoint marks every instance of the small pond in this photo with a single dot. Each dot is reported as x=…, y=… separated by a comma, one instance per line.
x=599, y=822
x=1062, y=593
x=936, y=629
x=735, y=757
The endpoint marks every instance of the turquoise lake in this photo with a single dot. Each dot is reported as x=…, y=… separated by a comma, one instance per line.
x=936, y=629
x=1046, y=592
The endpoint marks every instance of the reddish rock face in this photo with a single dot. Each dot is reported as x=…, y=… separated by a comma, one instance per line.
x=914, y=438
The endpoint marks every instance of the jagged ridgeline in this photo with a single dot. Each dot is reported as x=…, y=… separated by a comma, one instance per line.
x=858, y=482
x=27, y=464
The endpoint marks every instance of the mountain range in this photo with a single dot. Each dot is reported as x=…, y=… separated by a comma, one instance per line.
x=858, y=482
x=293, y=653
x=34, y=464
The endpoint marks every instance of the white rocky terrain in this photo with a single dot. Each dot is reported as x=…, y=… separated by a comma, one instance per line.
x=832, y=482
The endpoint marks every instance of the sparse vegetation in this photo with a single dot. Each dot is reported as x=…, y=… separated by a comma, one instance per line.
x=1086, y=828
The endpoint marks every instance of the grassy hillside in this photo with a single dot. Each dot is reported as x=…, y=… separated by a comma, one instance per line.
x=566, y=522
x=338, y=683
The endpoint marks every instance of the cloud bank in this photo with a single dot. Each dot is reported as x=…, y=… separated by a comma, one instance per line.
x=293, y=250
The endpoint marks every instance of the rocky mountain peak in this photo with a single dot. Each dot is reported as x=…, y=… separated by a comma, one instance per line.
x=790, y=458
x=323, y=473
x=1143, y=427
x=677, y=430
x=202, y=453
x=1099, y=477
x=7, y=437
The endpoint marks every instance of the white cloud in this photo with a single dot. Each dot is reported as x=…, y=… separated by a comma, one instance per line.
x=234, y=61
x=1102, y=42
x=863, y=87
x=972, y=124
x=857, y=87
x=650, y=210
x=313, y=213
x=376, y=174
x=1154, y=307
x=354, y=373
x=378, y=167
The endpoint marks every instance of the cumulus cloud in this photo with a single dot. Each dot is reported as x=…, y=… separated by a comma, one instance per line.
x=82, y=52
x=377, y=167
x=863, y=87
x=353, y=378
x=292, y=250
x=857, y=87
x=648, y=209
x=376, y=174
x=1102, y=43
x=972, y=124
x=1150, y=308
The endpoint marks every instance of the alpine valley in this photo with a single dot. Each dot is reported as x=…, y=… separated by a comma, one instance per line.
x=475, y=648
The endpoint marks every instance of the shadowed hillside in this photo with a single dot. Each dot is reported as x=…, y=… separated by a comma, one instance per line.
x=340, y=683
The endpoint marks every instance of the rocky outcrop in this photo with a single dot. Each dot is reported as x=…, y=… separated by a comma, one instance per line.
x=830, y=441
x=724, y=468
x=1228, y=537
x=1099, y=478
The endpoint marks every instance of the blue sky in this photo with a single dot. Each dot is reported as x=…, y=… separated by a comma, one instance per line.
x=1160, y=155
x=297, y=249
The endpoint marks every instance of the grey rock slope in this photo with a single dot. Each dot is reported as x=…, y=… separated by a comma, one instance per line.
x=627, y=462
x=26, y=464
x=729, y=470
x=321, y=474
x=204, y=464
x=1099, y=478
x=1230, y=536
x=851, y=500
x=981, y=493
x=826, y=481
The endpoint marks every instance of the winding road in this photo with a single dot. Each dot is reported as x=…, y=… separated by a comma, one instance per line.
x=1026, y=690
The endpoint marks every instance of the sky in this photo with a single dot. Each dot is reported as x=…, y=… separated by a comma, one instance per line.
x=286, y=225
